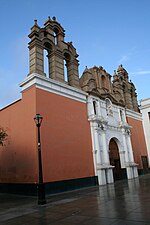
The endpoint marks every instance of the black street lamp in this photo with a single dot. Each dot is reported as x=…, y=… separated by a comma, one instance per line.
x=41, y=188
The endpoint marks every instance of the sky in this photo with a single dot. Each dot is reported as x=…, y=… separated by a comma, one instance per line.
x=104, y=32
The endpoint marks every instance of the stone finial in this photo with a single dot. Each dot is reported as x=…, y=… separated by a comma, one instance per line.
x=115, y=75
x=86, y=68
x=54, y=18
x=48, y=21
x=35, y=26
x=35, y=22
x=120, y=67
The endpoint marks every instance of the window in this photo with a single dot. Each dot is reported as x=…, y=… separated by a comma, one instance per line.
x=103, y=81
x=65, y=71
x=56, y=31
x=121, y=115
x=95, y=106
x=144, y=162
x=66, y=66
x=47, y=51
x=149, y=115
x=46, y=66
x=109, y=109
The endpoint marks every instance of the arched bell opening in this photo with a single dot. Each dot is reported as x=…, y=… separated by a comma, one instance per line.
x=47, y=52
x=56, y=32
x=66, y=67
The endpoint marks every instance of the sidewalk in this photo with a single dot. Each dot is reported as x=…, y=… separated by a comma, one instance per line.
x=122, y=203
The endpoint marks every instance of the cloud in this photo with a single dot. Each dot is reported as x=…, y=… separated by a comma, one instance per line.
x=10, y=90
x=7, y=97
x=12, y=72
x=142, y=72
x=20, y=55
x=127, y=56
x=123, y=59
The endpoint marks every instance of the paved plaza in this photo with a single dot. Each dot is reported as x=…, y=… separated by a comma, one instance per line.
x=123, y=203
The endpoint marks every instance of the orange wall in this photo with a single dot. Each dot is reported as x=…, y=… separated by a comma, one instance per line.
x=138, y=140
x=65, y=136
x=17, y=157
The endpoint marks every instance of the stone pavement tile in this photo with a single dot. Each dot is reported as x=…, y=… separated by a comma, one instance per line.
x=127, y=222
x=51, y=217
x=15, y=212
x=29, y=221
x=100, y=221
x=47, y=217
x=122, y=203
x=126, y=203
x=20, y=221
x=9, y=200
x=60, y=223
x=143, y=209
x=63, y=210
x=106, y=212
x=75, y=219
x=138, y=216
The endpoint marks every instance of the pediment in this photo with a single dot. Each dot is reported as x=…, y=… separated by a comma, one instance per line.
x=109, y=96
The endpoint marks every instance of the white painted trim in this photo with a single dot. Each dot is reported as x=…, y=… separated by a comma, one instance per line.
x=145, y=103
x=133, y=114
x=145, y=100
x=144, y=106
x=53, y=86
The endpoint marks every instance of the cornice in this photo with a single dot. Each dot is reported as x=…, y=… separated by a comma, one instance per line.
x=133, y=114
x=53, y=86
x=145, y=104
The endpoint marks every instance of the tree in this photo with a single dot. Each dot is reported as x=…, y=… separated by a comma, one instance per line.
x=3, y=135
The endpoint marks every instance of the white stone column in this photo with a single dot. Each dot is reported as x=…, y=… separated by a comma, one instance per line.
x=125, y=149
x=133, y=167
x=98, y=109
x=98, y=154
x=90, y=107
x=131, y=159
x=100, y=171
x=127, y=158
x=122, y=158
x=105, y=148
x=130, y=165
x=94, y=145
x=108, y=167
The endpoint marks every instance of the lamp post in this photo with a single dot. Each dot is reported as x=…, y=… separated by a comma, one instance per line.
x=41, y=188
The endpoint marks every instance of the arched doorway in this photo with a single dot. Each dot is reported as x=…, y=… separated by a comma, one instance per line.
x=115, y=159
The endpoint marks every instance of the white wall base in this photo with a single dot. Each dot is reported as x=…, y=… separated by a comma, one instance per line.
x=109, y=175
x=101, y=177
x=132, y=172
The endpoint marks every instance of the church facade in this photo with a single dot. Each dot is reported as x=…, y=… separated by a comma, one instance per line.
x=92, y=129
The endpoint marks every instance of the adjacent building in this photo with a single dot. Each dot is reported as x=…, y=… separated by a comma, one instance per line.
x=92, y=130
x=145, y=110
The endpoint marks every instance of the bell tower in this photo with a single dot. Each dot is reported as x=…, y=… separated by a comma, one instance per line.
x=59, y=53
x=124, y=90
